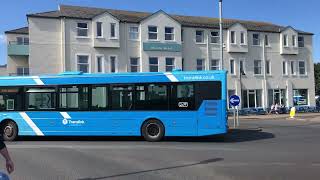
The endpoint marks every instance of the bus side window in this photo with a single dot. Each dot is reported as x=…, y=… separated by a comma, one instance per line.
x=10, y=99
x=207, y=91
x=182, y=97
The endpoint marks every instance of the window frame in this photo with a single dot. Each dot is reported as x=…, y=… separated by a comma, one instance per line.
x=258, y=40
x=172, y=33
x=113, y=31
x=305, y=68
x=102, y=63
x=284, y=66
x=173, y=64
x=132, y=65
x=242, y=60
x=202, y=36
x=293, y=67
x=259, y=67
x=268, y=68
x=285, y=39
x=202, y=64
x=80, y=28
x=115, y=63
x=294, y=40
x=266, y=40
x=213, y=37
x=233, y=37
x=101, y=29
x=302, y=40
x=243, y=38
x=89, y=61
x=153, y=64
x=232, y=67
x=135, y=33
x=216, y=67
x=156, y=33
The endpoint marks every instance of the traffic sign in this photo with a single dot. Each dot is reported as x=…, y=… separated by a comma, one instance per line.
x=234, y=100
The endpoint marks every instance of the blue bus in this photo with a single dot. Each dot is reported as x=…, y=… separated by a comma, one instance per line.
x=152, y=105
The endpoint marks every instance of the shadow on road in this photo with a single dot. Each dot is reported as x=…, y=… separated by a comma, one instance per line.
x=237, y=135
x=208, y=161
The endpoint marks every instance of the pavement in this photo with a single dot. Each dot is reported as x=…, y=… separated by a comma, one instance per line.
x=265, y=148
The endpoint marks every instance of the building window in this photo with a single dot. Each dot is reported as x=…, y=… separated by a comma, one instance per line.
x=302, y=68
x=251, y=98
x=300, y=97
x=182, y=35
x=134, y=64
x=293, y=67
x=153, y=32
x=232, y=37
x=22, y=41
x=100, y=64
x=243, y=38
x=256, y=39
x=113, y=64
x=169, y=34
x=153, y=64
x=215, y=37
x=215, y=65
x=199, y=36
x=294, y=40
x=169, y=64
x=200, y=65
x=22, y=71
x=82, y=29
x=257, y=67
x=134, y=32
x=277, y=96
x=266, y=40
x=232, y=71
x=99, y=29
x=268, y=67
x=242, y=69
x=285, y=40
x=113, y=30
x=284, y=68
x=83, y=64
x=300, y=41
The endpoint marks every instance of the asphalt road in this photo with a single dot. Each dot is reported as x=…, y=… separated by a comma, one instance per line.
x=282, y=149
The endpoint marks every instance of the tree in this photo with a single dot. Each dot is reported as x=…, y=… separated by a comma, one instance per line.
x=317, y=77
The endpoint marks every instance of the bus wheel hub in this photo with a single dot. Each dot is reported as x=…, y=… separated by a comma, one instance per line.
x=8, y=131
x=153, y=130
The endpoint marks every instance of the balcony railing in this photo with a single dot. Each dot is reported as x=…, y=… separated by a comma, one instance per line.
x=18, y=48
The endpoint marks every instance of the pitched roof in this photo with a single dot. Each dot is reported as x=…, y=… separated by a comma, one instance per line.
x=23, y=30
x=136, y=17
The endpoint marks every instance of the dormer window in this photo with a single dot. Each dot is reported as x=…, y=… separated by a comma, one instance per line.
x=232, y=37
x=242, y=38
x=285, y=40
x=113, y=30
x=99, y=29
x=294, y=41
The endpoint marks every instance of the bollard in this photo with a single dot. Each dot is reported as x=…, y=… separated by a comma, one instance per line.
x=292, y=112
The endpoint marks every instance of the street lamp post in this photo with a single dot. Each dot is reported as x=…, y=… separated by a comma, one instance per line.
x=221, y=34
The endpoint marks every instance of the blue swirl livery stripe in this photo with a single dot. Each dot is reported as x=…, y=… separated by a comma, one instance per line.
x=171, y=77
x=33, y=126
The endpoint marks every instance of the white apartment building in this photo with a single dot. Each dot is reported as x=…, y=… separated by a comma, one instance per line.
x=275, y=61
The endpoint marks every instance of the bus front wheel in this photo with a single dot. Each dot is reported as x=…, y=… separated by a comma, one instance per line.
x=9, y=130
x=152, y=130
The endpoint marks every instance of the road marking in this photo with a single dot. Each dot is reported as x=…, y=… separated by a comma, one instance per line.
x=92, y=146
x=31, y=123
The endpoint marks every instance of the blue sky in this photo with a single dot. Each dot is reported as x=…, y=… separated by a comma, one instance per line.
x=301, y=14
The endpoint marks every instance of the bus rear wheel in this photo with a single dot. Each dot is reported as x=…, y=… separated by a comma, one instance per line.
x=152, y=130
x=9, y=131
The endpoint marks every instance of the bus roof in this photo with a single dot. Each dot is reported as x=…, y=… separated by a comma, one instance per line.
x=69, y=78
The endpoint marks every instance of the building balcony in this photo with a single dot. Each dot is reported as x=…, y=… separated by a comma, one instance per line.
x=18, y=49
